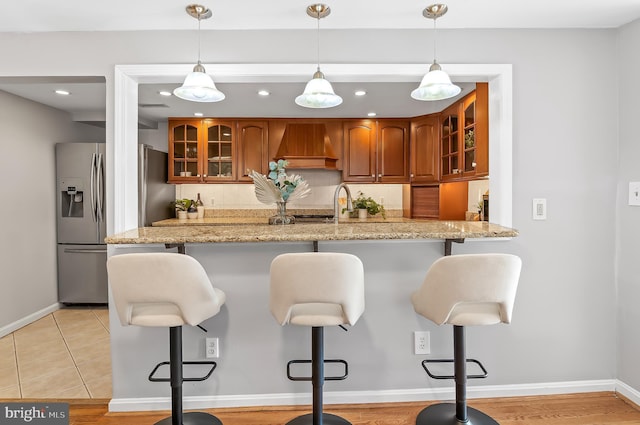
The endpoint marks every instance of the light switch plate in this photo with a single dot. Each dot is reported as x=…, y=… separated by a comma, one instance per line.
x=634, y=193
x=539, y=209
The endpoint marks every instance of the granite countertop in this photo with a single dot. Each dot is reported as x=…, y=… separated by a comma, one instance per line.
x=350, y=230
x=223, y=221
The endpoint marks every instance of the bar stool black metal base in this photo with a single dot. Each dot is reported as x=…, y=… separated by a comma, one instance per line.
x=445, y=414
x=193, y=418
x=327, y=419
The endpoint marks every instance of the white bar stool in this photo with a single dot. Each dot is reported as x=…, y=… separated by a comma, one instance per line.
x=317, y=289
x=166, y=290
x=465, y=290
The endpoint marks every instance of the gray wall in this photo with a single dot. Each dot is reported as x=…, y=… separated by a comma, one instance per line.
x=28, y=230
x=565, y=137
x=628, y=227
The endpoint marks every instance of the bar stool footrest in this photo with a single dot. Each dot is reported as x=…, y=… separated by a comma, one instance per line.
x=434, y=376
x=213, y=365
x=326, y=378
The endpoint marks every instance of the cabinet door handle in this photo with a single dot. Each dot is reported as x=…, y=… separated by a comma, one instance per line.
x=411, y=175
x=379, y=175
x=204, y=175
x=373, y=175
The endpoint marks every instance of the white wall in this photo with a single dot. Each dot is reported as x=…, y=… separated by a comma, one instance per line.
x=565, y=126
x=27, y=219
x=628, y=220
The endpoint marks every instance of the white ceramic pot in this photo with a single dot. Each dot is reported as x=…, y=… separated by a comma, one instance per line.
x=182, y=215
x=362, y=213
x=192, y=214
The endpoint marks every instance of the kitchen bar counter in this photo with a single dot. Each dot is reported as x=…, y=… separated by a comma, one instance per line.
x=395, y=253
x=351, y=230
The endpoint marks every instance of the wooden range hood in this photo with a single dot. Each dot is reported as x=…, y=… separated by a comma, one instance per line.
x=307, y=146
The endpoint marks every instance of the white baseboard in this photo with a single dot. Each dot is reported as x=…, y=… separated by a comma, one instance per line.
x=356, y=397
x=632, y=394
x=12, y=327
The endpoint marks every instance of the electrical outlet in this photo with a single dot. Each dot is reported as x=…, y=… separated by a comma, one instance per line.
x=421, y=342
x=212, y=349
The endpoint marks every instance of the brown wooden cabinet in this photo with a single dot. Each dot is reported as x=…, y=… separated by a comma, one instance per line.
x=184, y=151
x=393, y=151
x=376, y=151
x=424, y=149
x=359, y=160
x=464, y=137
x=425, y=202
x=202, y=151
x=253, y=148
x=450, y=146
x=218, y=150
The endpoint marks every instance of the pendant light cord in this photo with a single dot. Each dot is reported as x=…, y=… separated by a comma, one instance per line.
x=199, y=12
x=318, y=19
x=434, y=39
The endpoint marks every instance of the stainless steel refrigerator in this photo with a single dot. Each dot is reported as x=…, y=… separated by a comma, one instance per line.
x=81, y=220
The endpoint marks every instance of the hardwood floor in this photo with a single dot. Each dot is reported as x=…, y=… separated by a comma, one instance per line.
x=602, y=408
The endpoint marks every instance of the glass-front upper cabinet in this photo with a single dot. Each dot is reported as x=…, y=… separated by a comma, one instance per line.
x=449, y=143
x=219, y=150
x=201, y=150
x=464, y=140
x=183, y=150
x=469, y=136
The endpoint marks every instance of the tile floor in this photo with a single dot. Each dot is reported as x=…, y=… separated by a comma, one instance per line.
x=63, y=355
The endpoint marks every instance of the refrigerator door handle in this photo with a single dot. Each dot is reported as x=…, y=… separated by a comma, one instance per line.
x=92, y=187
x=144, y=164
x=100, y=188
x=85, y=251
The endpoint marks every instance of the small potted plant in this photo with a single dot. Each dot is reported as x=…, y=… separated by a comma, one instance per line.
x=192, y=209
x=367, y=206
x=182, y=207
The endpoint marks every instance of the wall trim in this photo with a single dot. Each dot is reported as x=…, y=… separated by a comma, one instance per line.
x=128, y=77
x=630, y=393
x=12, y=327
x=358, y=397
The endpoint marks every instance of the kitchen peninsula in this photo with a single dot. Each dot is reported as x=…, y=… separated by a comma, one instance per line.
x=191, y=231
x=254, y=349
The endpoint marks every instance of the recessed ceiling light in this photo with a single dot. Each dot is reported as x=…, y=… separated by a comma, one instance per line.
x=63, y=92
x=360, y=93
x=263, y=93
x=164, y=93
x=372, y=114
x=198, y=114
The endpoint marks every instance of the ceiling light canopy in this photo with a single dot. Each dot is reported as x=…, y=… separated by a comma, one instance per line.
x=436, y=84
x=318, y=92
x=198, y=86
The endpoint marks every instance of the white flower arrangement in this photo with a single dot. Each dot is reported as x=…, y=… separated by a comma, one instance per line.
x=279, y=187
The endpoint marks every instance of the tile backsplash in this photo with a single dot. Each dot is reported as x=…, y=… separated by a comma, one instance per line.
x=322, y=183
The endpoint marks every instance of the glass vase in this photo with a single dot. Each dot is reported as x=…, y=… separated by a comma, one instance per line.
x=281, y=216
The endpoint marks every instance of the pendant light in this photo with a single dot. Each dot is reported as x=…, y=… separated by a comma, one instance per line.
x=436, y=84
x=198, y=85
x=318, y=92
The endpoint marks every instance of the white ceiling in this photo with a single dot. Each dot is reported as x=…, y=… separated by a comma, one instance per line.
x=127, y=15
x=87, y=101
